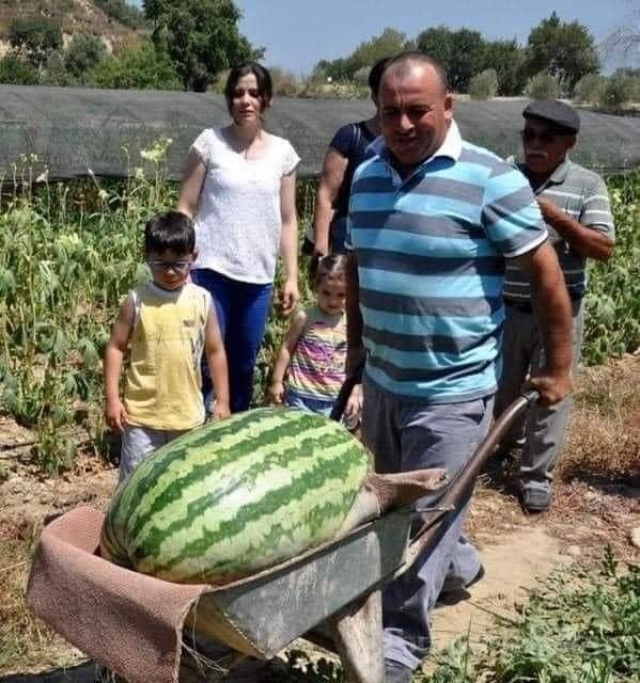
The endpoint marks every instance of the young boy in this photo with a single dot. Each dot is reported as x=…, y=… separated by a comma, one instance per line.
x=165, y=324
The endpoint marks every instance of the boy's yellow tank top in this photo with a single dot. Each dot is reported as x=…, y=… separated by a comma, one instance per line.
x=163, y=379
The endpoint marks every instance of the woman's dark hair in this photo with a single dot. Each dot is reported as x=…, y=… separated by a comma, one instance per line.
x=263, y=78
x=375, y=76
x=169, y=231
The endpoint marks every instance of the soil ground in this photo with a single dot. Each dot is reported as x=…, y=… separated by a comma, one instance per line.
x=597, y=502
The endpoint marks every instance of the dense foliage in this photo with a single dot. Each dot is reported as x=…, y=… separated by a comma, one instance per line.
x=34, y=38
x=139, y=68
x=199, y=40
x=200, y=36
x=563, y=50
x=581, y=628
x=69, y=252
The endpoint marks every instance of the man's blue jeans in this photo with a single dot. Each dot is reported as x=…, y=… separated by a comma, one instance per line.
x=242, y=309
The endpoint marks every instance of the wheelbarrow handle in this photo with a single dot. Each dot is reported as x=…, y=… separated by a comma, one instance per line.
x=465, y=478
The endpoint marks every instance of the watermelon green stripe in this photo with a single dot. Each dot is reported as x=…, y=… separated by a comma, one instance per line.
x=269, y=424
x=233, y=497
x=289, y=448
x=268, y=428
x=236, y=562
x=229, y=432
x=313, y=478
x=198, y=508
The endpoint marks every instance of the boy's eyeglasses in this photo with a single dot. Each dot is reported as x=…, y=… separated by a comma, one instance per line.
x=178, y=266
x=547, y=137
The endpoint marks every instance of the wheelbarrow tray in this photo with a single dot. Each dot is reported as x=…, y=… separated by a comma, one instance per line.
x=262, y=614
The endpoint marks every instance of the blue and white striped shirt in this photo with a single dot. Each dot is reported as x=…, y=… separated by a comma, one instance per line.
x=431, y=252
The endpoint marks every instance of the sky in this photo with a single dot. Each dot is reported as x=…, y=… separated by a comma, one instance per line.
x=299, y=33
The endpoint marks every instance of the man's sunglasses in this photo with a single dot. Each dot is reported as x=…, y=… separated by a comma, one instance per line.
x=178, y=266
x=546, y=137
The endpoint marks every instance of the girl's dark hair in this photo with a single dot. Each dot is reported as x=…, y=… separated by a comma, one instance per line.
x=375, y=76
x=169, y=231
x=329, y=267
x=263, y=78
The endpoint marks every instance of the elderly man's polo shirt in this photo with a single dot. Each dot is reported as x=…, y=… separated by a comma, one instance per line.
x=582, y=195
x=431, y=251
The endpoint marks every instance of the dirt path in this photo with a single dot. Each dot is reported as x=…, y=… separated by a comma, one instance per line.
x=512, y=568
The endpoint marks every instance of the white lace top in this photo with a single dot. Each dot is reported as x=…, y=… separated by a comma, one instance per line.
x=238, y=221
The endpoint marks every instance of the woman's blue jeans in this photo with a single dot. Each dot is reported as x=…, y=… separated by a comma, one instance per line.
x=242, y=309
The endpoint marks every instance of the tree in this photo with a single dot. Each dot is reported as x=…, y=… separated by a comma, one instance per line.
x=460, y=52
x=507, y=58
x=564, y=50
x=483, y=86
x=590, y=88
x=82, y=54
x=15, y=71
x=55, y=72
x=200, y=36
x=543, y=86
x=34, y=38
x=141, y=68
x=389, y=43
x=620, y=88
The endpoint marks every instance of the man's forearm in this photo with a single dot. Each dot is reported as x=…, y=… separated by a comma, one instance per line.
x=582, y=239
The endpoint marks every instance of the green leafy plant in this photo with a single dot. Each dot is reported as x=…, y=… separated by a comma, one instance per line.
x=577, y=628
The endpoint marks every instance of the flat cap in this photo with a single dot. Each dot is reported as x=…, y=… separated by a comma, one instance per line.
x=557, y=113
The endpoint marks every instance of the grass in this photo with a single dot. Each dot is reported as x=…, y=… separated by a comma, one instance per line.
x=603, y=439
x=23, y=638
x=578, y=627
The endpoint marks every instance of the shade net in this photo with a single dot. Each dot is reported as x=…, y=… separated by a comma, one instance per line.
x=77, y=130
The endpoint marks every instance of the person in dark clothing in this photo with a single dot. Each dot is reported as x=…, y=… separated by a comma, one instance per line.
x=347, y=150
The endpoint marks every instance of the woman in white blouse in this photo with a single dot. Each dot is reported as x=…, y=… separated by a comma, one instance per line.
x=239, y=187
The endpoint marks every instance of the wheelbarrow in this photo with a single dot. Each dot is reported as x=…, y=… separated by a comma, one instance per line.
x=330, y=595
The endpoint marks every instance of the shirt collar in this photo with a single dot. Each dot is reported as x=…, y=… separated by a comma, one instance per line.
x=451, y=147
x=556, y=178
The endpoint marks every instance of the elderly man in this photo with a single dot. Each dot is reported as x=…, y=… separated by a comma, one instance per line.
x=575, y=207
x=431, y=220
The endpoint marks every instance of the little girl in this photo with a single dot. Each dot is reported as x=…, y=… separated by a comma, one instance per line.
x=309, y=370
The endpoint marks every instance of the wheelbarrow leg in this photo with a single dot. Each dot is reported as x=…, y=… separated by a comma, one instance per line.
x=357, y=634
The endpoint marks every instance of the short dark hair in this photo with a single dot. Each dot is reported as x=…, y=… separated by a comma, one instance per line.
x=405, y=60
x=375, y=75
x=263, y=78
x=171, y=230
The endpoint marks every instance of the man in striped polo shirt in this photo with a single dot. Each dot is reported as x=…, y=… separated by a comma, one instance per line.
x=575, y=206
x=432, y=219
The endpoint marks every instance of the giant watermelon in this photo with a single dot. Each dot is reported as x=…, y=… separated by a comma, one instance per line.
x=236, y=496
